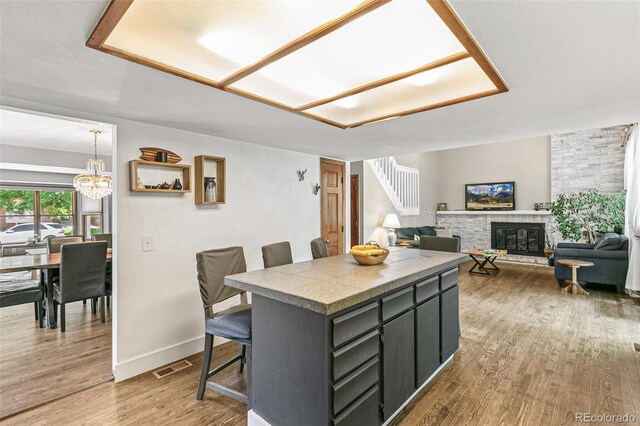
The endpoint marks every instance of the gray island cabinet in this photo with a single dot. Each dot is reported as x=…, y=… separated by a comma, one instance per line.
x=337, y=343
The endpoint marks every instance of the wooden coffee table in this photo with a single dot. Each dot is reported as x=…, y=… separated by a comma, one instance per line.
x=574, y=264
x=481, y=265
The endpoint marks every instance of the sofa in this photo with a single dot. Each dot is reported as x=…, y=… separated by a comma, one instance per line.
x=408, y=234
x=610, y=257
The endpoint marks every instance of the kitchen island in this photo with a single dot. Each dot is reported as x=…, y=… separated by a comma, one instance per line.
x=337, y=343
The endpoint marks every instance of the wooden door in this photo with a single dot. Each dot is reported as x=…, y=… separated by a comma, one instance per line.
x=355, y=210
x=332, y=205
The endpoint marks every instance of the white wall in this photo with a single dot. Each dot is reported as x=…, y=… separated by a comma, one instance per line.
x=356, y=168
x=376, y=206
x=158, y=311
x=526, y=161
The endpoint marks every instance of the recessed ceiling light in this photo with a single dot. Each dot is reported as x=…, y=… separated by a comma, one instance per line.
x=342, y=62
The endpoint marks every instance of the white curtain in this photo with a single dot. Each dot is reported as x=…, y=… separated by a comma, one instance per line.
x=632, y=210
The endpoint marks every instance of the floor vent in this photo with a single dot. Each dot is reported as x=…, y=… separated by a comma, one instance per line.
x=636, y=347
x=165, y=371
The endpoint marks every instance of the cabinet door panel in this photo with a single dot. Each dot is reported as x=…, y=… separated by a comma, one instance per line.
x=427, y=339
x=449, y=323
x=399, y=362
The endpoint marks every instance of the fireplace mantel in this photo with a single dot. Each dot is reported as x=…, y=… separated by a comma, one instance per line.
x=495, y=212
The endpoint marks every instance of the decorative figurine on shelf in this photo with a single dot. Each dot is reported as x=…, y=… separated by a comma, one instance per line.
x=210, y=190
x=139, y=184
x=177, y=185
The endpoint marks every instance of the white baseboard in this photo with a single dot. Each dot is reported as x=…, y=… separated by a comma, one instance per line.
x=255, y=420
x=151, y=360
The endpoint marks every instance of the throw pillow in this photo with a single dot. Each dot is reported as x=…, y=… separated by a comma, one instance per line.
x=444, y=233
x=612, y=242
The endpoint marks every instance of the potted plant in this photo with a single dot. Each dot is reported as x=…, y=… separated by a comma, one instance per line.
x=588, y=214
x=549, y=243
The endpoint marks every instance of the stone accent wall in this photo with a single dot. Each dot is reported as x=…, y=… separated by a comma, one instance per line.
x=475, y=229
x=591, y=159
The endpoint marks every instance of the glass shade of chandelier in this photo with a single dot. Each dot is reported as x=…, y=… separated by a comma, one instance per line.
x=92, y=184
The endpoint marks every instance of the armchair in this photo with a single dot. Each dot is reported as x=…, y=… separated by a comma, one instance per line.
x=610, y=266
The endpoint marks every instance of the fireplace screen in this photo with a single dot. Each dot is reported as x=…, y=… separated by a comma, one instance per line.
x=518, y=238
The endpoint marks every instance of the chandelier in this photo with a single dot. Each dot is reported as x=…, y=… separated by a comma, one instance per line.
x=94, y=185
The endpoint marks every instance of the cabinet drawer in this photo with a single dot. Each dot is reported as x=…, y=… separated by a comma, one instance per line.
x=449, y=279
x=355, y=384
x=363, y=412
x=397, y=303
x=427, y=289
x=354, y=323
x=355, y=353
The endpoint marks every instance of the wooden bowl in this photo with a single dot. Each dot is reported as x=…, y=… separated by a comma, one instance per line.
x=370, y=260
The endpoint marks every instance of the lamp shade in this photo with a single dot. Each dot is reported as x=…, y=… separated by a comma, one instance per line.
x=391, y=221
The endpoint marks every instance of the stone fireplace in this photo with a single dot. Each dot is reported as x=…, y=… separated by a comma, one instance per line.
x=475, y=229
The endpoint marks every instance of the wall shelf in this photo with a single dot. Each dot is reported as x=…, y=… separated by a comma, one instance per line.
x=171, y=171
x=208, y=166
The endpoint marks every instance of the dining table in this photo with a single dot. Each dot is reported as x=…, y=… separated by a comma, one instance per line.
x=40, y=262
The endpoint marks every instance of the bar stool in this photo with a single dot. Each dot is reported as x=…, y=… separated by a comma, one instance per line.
x=277, y=254
x=233, y=323
x=318, y=248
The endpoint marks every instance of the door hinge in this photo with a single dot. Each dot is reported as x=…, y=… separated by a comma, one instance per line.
x=342, y=228
x=382, y=338
x=341, y=180
x=381, y=407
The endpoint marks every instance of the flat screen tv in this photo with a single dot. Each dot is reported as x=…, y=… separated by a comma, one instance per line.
x=490, y=196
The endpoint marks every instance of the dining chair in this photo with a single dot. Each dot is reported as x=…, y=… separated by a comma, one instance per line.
x=108, y=239
x=103, y=237
x=82, y=276
x=277, y=254
x=233, y=323
x=54, y=244
x=318, y=248
x=18, y=288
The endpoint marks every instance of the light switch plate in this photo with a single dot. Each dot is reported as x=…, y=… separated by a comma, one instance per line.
x=147, y=243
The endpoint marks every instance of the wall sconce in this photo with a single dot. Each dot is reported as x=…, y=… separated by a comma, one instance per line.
x=316, y=188
x=301, y=175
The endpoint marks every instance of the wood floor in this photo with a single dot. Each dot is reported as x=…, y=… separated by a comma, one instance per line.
x=529, y=355
x=38, y=365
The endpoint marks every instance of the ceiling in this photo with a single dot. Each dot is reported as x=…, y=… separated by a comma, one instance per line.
x=569, y=66
x=45, y=132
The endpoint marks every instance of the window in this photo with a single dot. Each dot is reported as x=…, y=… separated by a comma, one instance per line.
x=21, y=210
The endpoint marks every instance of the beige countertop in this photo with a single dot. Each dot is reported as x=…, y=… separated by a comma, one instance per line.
x=335, y=283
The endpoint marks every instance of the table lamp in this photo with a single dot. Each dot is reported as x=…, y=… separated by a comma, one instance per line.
x=391, y=221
